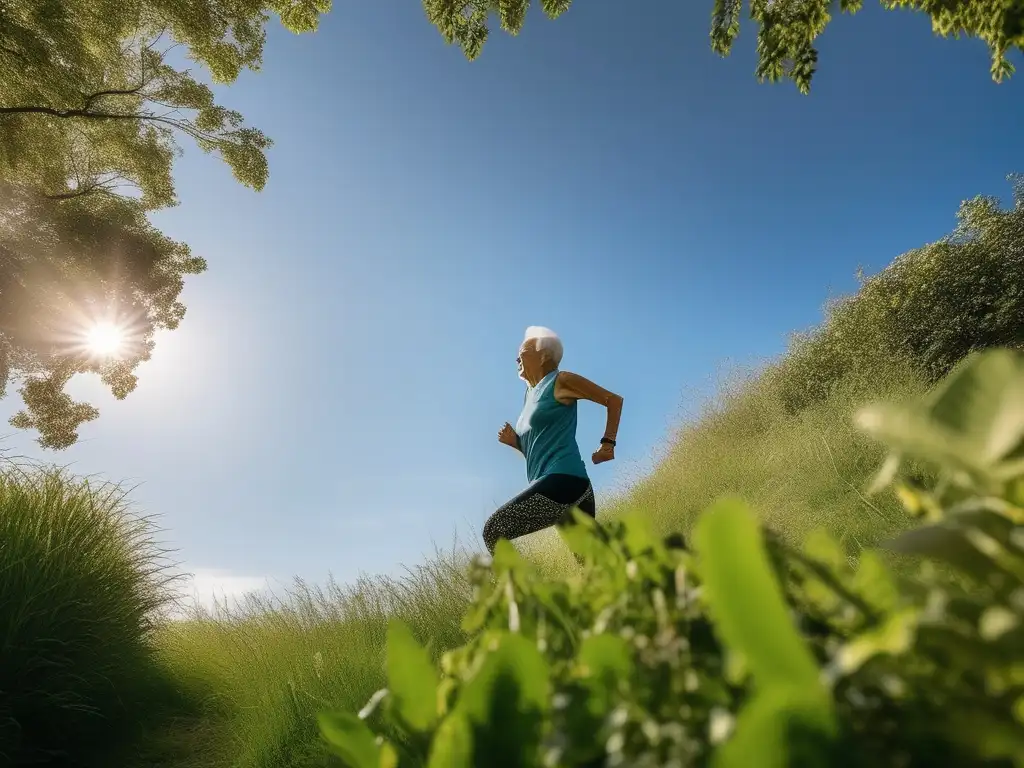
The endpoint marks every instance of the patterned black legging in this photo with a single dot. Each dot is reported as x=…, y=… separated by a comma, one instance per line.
x=548, y=501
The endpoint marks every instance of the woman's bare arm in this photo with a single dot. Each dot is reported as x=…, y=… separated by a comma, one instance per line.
x=572, y=386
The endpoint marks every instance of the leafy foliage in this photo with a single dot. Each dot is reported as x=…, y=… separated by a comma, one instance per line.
x=932, y=307
x=91, y=111
x=787, y=29
x=748, y=650
x=63, y=266
x=465, y=22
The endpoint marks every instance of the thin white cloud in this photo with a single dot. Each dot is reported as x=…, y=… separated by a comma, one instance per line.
x=208, y=587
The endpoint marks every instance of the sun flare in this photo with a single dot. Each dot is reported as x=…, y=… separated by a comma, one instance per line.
x=105, y=339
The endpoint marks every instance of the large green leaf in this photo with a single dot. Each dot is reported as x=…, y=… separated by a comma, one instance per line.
x=350, y=739
x=973, y=421
x=453, y=744
x=982, y=400
x=411, y=678
x=911, y=432
x=746, y=601
x=946, y=542
x=779, y=728
x=505, y=704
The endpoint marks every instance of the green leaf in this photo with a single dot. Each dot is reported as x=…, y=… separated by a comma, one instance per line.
x=875, y=583
x=638, y=537
x=453, y=744
x=506, y=702
x=946, y=543
x=604, y=662
x=605, y=657
x=412, y=678
x=350, y=739
x=779, y=728
x=582, y=539
x=911, y=432
x=506, y=558
x=895, y=636
x=746, y=602
x=388, y=756
x=973, y=421
x=982, y=400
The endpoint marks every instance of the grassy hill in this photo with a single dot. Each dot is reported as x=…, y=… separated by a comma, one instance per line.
x=92, y=677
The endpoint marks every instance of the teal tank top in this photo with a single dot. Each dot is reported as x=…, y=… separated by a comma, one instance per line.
x=547, y=433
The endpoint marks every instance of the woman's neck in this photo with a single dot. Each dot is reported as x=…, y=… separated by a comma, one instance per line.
x=542, y=374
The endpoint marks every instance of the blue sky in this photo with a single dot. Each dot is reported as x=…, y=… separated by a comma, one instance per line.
x=331, y=401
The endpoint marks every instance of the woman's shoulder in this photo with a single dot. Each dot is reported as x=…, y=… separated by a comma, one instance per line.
x=564, y=387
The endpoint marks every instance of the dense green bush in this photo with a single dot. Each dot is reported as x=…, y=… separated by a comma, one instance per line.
x=748, y=651
x=932, y=306
x=80, y=584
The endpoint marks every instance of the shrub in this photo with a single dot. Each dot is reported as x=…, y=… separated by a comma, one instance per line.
x=932, y=306
x=80, y=585
x=748, y=651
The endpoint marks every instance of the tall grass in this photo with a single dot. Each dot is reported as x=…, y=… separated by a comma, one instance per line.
x=81, y=584
x=799, y=471
x=269, y=664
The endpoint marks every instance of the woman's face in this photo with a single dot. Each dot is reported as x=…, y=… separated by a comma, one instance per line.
x=529, y=361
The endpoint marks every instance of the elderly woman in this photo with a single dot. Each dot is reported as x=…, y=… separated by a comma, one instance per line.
x=546, y=436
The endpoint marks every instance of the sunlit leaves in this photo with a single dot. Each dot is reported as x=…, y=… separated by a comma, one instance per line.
x=464, y=22
x=92, y=110
x=67, y=265
x=787, y=29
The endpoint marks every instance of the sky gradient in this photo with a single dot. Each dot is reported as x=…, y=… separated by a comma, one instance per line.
x=331, y=401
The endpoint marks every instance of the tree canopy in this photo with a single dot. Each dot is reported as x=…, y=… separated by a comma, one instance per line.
x=92, y=106
x=787, y=29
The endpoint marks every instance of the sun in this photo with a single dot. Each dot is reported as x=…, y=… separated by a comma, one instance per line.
x=105, y=339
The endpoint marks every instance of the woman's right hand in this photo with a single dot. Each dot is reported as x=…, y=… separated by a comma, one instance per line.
x=507, y=436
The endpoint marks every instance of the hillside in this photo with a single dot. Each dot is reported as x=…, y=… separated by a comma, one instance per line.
x=243, y=687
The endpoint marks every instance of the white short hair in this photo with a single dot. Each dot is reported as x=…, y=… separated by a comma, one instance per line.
x=547, y=341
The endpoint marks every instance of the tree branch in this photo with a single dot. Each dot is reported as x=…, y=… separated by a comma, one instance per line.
x=113, y=92
x=89, y=189
x=66, y=113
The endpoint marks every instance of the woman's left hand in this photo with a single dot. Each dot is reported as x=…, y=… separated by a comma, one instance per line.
x=604, y=453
